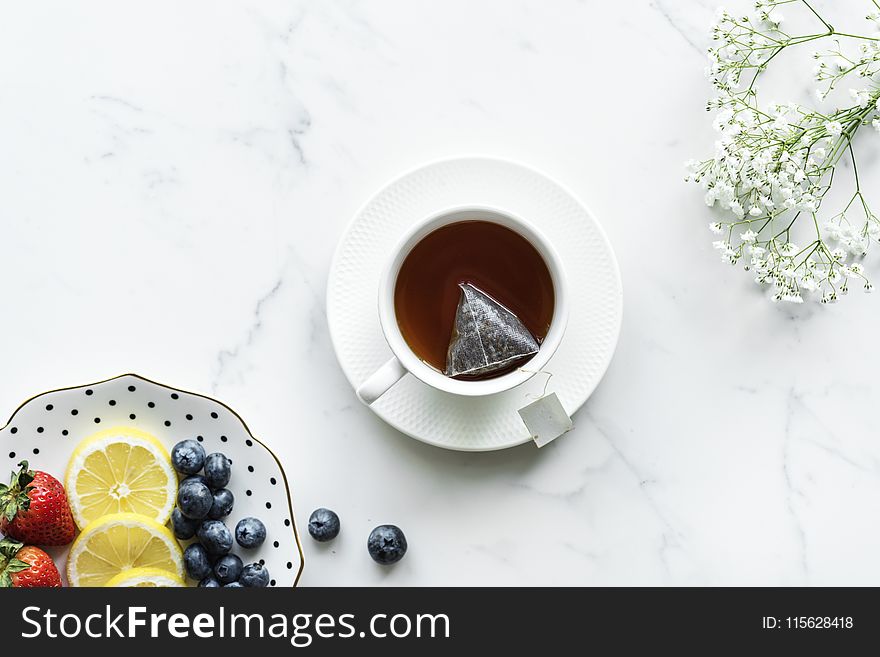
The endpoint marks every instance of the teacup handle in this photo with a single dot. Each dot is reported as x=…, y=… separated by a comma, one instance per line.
x=381, y=380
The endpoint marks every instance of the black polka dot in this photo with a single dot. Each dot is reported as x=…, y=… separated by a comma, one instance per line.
x=64, y=432
x=273, y=481
x=49, y=407
x=200, y=438
x=262, y=562
x=189, y=417
x=214, y=415
x=97, y=420
x=151, y=404
x=12, y=455
x=272, y=582
x=131, y=388
x=13, y=430
x=174, y=395
x=250, y=468
x=131, y=416
x=167, y=423
x=74, y=412
x=276, y=544
x=112, y=402
x=223, y=439
x=36, y=450
x=248, y=492
x=287, y=522
x=268, y=505
x=40, y=429
x=90, y=392
x=289, y=566
x=249, y=442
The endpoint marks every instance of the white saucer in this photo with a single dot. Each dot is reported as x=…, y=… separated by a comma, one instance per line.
x=443, y=419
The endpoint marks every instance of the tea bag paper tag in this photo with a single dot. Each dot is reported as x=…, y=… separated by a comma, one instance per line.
x=545, y=419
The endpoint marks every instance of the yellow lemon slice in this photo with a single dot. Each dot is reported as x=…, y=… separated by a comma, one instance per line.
x=146, y=577
x=119, y=542
x=120, y=470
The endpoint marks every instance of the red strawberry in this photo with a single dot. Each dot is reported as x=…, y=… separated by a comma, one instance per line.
x=34, y=509
x=26, y=567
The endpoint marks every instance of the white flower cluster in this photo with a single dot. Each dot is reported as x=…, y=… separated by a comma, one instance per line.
x=835, y=64
x=774, y=165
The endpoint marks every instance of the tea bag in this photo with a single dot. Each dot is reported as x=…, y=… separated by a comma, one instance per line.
x=487, y=337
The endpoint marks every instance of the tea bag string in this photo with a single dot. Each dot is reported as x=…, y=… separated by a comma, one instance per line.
x=546, y=382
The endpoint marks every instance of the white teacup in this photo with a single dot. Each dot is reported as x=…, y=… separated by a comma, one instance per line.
x=405, y=361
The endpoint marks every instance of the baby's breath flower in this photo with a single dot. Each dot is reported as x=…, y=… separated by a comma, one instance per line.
x=860, y=96
x=773, y=163
x=788, y=249
x=833, y=128
x=808, y=283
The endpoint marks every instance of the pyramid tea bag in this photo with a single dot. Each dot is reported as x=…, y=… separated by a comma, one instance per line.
x=486, y=337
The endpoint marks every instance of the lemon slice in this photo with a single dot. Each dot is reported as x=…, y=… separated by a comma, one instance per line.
x=119, y=542
x=146, y=577
x=120, y=470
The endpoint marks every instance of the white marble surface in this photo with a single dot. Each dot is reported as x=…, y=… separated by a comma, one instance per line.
x=174, y=178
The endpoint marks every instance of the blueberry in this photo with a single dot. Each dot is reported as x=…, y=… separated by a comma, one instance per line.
x=210, y=582
x=183, y=527
x=222, y=506
x=386, y=544
x=196, y=561
x=254, y=575
x=233, y=585
x=188, y=456
x=250, y=533
x=323, y=525
x=215, y=536
x=228, y=568
x=218, y=469
x=196, y=477
x=194, y=499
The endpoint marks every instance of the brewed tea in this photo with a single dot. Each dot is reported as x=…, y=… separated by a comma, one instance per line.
x=488, y=256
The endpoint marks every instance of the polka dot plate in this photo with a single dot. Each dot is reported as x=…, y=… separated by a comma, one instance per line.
x=595, y=292
x=46, y=429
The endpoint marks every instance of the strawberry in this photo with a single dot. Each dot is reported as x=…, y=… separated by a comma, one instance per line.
x=34, y=509
x=26, y=567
